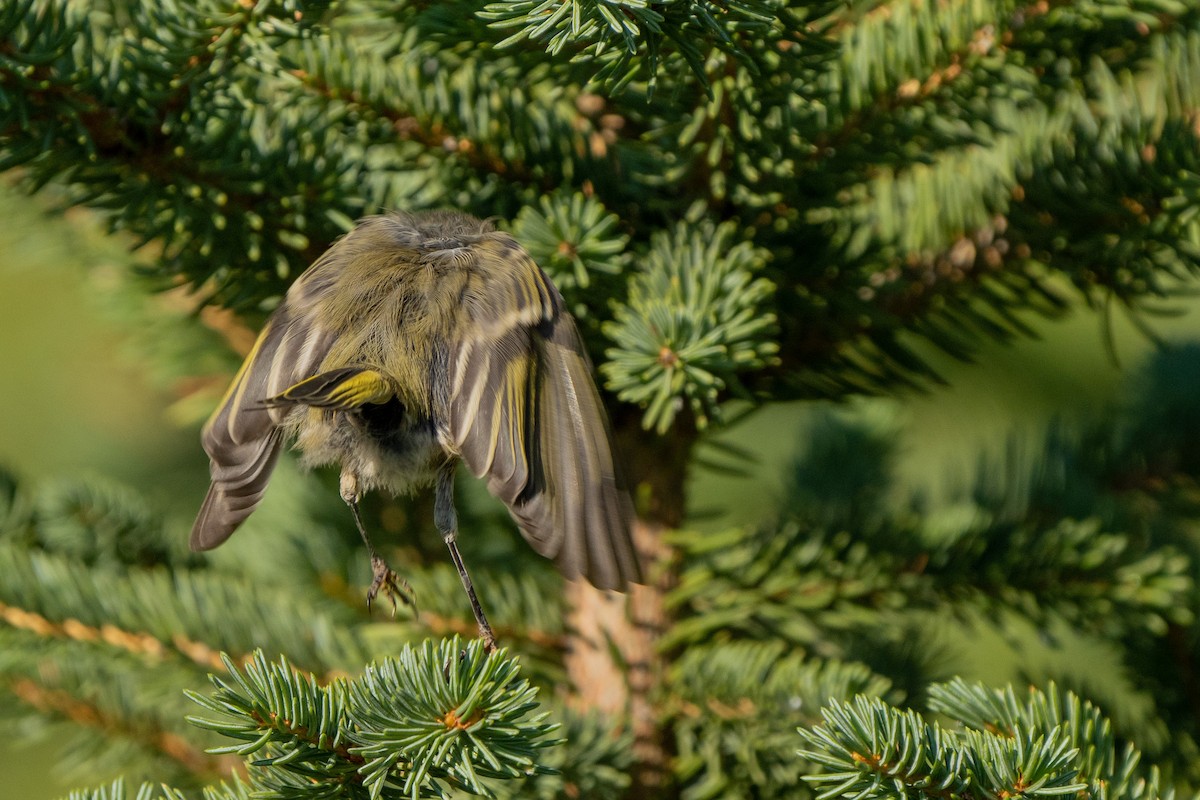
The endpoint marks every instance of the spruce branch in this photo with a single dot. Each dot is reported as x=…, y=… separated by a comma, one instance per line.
x=1002, y=711
x=1053, y=744
x=838, y=559
x=629, y=38
x=282, y=716
x=870, y=749
x=104, y=705
x=310, y=110
x=101, y=524
x=799, y=583
x=445, y=715
x=1107, y=769
x=576, y=241
x=505, y=123
x=118, y=791
x=1098, y=579
x=735, y=706
x=529, y=609
x=159, y=607
x=748, y=678
x=91, y=636
x=695, y=319
x=85, y=562
x=144, y=148
x=594, y=762
x=372, y=85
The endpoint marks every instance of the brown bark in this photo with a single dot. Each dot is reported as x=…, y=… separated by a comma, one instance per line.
x=612, y=657
x=603, y=625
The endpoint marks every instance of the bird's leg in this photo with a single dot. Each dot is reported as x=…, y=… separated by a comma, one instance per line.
x=446, y=519
x=382, y=575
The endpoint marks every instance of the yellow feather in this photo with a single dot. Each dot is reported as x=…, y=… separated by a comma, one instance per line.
x=367, y=386
x=233, y=395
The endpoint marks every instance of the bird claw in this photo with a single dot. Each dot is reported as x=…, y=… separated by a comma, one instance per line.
x=392, y=585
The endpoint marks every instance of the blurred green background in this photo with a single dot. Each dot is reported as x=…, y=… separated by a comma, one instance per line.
x=83, y=394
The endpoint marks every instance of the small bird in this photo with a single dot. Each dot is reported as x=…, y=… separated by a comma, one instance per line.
x=416, y=341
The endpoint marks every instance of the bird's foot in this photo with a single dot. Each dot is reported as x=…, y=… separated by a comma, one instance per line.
x=486, y=634
x=393, y=586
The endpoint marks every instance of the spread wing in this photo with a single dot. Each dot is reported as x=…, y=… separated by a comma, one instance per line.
x=242, y=438
x=524, y=412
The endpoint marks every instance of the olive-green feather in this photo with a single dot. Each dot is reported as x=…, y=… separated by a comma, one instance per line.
x=242, y=438
x=525, y=414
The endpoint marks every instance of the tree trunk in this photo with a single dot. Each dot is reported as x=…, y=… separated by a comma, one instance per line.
x=612, y=657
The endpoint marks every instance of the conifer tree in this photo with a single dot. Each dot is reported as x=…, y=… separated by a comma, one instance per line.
x=749, y=200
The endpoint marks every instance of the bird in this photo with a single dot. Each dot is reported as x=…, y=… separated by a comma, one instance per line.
x=417, y=341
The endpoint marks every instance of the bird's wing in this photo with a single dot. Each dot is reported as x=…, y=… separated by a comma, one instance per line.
x=242, y=438
x=524, y=412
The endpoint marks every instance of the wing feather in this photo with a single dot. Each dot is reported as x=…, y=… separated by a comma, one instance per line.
x=579, y=442
x=242, y=438
x=526, y=415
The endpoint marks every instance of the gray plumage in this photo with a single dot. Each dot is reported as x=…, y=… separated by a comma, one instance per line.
x=415, y=339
